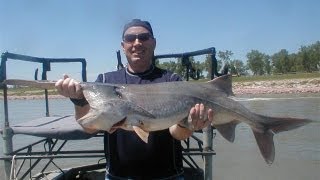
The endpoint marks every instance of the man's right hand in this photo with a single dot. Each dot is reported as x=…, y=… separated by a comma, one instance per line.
x=69, y=88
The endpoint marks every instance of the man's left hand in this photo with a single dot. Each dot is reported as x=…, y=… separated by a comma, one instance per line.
x=199, y=117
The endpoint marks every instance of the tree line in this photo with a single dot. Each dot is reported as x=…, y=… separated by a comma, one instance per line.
x=307, y=59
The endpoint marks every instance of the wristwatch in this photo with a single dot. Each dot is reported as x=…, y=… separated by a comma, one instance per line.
x=79, y=102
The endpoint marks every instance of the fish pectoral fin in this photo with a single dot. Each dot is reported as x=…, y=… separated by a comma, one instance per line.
x=139, y=110
x=266, y=145
x=227, y=130
x=144, y=135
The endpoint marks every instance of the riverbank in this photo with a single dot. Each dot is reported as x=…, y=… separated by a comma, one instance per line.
x=287, y=86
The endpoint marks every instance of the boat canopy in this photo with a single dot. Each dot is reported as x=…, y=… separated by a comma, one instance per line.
x=59, y=127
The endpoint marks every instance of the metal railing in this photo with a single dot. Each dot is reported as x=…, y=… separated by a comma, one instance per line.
x=7, y=133
x=53, y=148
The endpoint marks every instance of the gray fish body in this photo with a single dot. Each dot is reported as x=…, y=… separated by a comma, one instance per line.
x=153, y=107
x=159, y=106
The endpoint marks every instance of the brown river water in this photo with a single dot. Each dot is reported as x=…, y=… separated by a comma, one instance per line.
x=297, y=151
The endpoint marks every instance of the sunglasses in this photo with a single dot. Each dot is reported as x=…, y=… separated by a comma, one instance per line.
x=130, y=38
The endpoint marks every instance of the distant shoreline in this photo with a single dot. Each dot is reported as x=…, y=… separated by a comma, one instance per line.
x=292, y=86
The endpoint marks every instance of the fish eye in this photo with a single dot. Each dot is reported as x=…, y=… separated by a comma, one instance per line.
x=117, y=92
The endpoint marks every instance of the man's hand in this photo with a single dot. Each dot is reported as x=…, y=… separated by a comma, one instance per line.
x=69, y=88
x=199, y=117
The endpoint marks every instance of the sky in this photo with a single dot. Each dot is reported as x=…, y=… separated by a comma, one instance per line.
x=93, y=29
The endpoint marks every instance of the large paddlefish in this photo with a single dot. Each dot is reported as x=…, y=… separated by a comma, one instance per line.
x=152, y=107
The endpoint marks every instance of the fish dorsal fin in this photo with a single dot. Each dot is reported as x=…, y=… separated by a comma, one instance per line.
x=223, y=84
x=144, y=135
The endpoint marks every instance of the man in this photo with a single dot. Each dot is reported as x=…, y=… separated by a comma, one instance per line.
x=127, y=155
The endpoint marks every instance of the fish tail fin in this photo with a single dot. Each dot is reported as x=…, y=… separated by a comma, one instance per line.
x=279, y=124
x=265, y=144
x=271, y=126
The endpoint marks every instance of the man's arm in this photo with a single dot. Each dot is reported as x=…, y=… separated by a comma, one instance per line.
x=180, y=133
x=199, y=119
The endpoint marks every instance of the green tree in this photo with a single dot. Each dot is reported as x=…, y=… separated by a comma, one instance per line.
x=315, y=55
x=281, y=62
x=171, y=66
x=199, y=67
x=237, y=67
x=310, y=57
x=255, y=62
x=296, y=63
x=208, y=65
x=225, y=55
x=306, y=60
x=267, y=64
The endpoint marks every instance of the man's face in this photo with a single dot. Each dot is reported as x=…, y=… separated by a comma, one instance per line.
x=138, y=45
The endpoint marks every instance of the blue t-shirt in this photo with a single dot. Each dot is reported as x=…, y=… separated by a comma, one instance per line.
x=127, y=154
